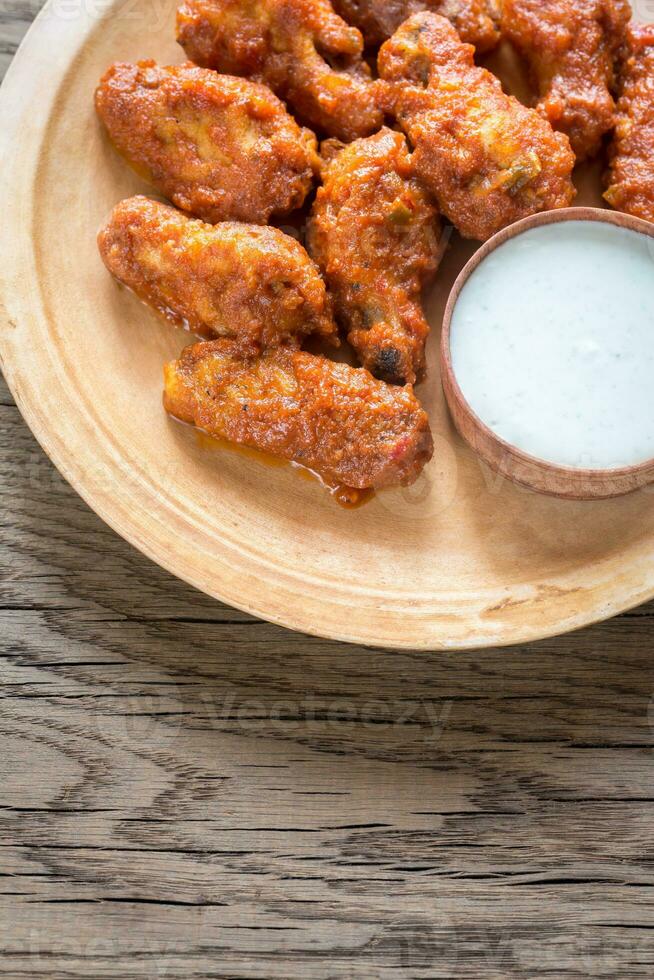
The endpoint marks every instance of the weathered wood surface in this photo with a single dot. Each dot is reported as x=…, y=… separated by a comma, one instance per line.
x=186, y=792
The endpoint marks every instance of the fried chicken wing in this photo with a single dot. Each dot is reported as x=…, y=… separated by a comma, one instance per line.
x=234, y=280
x=486, y=158
x=221, y=148
x=571, y=47
x=631, y=173
x=336, y=420
x=477, y=21
x=374, y=232
x=301, y=48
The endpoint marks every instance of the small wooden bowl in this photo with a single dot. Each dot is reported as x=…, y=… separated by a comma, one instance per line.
x=504, y=458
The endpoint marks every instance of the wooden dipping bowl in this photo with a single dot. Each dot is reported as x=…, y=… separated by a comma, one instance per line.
x=504, y=458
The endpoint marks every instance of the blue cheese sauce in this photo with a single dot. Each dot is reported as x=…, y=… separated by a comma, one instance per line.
x=552, y=343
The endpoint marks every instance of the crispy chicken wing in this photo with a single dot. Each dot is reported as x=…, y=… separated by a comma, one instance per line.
x=486, y=158
x=571, y=47
x=221, y=148
x=477, y=21
x=334, y=419
x=374, y=232
x=631, y=174
x=234, y=280
x=300, y=48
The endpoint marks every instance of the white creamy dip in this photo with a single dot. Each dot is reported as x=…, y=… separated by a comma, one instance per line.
x=552, y=342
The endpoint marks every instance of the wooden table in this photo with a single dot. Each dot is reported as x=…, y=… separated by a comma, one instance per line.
x=187, y=792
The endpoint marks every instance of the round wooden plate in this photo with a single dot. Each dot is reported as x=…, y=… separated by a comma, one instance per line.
x=462, y=559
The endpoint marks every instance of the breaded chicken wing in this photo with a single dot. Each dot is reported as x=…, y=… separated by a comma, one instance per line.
x=233, y=280
x=336, y=420
x=486, y=158
x=374, y=232
x=631, y=174
x=475, y=20
x=300, y=48
x=221, y=148
x=571, y=47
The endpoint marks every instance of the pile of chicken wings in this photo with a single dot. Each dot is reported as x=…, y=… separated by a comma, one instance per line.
x=374, y=117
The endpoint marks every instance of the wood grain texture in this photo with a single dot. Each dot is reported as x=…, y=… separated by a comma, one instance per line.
x=187, y=792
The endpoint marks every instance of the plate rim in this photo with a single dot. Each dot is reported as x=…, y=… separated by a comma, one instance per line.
x=72, y=35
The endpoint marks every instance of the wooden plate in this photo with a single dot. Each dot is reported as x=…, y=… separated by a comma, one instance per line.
x=461, y=559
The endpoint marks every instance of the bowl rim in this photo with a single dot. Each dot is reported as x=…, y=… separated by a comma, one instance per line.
x=615, y=218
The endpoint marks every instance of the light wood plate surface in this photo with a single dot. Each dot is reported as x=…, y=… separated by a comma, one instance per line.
x=462, y=559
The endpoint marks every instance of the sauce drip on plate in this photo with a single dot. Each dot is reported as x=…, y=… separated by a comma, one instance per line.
x=348, y=497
